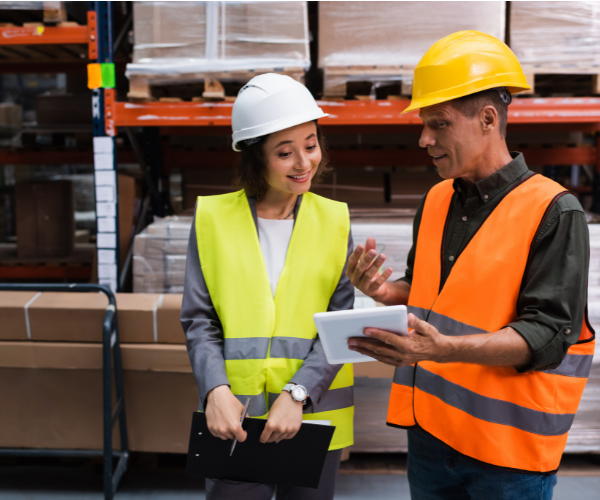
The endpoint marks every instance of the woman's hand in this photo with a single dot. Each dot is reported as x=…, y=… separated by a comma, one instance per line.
x=285, y=419
x=223, y=414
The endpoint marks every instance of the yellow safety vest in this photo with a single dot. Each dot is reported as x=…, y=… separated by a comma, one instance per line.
x=266, y=338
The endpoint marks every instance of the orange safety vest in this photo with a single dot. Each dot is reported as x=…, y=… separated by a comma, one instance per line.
x=493, y=414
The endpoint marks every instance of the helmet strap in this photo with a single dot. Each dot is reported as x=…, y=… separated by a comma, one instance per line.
x=504, y=95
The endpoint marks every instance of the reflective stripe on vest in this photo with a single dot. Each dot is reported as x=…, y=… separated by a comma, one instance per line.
x=266, y=338
x=513, y=420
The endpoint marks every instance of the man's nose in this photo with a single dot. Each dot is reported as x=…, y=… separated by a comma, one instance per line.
x=427, y=139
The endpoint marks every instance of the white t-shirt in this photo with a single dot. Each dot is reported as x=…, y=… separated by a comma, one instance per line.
x=274, y=236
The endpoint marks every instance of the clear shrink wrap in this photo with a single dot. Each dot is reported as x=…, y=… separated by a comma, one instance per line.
x=159, y=255
x=179, y=38
x=556, y=37
x=397, y=33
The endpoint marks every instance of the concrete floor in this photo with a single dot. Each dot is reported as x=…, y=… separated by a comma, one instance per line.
x=82, y=482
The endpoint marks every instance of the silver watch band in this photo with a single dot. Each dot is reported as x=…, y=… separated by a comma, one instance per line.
x=289, y=388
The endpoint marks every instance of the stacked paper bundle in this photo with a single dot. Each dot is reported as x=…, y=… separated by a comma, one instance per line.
x=159, y=255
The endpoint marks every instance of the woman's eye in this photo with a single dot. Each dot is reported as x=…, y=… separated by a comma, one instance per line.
x=310, y=148
x=284, y=155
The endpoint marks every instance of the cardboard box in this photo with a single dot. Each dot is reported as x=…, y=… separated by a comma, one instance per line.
x=45, y=216
x=55, y=390
x=78, y=317
x=12, y=306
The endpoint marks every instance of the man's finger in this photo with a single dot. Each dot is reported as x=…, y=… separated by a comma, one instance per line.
x=420, y=326
x=388, y=360
x=383, y=277
x=383, y=336
x=365, y=262
x=353, y=260
x=375, y=347
x=371, y=244
x=374, y=267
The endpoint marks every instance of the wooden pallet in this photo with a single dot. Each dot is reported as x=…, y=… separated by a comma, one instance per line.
x=221, y=86
x=337, y=81
x=555, y=81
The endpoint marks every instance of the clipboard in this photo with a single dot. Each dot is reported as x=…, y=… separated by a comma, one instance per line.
x=295, y=462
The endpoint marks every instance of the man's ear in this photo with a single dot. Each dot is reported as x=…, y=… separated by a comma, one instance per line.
x=489, y=119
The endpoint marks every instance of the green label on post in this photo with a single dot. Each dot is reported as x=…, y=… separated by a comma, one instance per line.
x=108, y=75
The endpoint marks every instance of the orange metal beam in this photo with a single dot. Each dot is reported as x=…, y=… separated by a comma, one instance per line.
x=583, y=155
x=43, y=35
x=585, y=110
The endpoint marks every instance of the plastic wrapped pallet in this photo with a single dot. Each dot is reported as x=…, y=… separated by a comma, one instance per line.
x=183, y=41
x=159, y=255
x=383, y=41
x=556, y=37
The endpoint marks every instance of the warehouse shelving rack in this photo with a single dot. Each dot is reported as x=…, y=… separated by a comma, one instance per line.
x=160, y=119
x=111, y=366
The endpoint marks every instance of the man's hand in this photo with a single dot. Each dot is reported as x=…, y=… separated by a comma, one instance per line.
x=423, y=343
x=363, y=271
x=223, y=414
x=505, y=347
x=284, y=421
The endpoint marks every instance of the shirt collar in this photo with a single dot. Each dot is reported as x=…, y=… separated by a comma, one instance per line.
x=495, y=183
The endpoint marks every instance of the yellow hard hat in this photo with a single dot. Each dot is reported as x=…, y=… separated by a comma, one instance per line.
x=463, y=63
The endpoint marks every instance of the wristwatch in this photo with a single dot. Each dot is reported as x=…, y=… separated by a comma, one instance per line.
x=298, y=392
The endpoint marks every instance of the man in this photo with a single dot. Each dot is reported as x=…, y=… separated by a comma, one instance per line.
x=491, y=375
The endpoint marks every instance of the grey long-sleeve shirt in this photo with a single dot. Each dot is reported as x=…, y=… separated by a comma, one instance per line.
x=204, y=333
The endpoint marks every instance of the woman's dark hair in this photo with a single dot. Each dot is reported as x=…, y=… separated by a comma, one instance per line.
x=250, y=169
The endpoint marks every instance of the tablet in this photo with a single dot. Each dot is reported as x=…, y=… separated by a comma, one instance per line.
x=336, y=327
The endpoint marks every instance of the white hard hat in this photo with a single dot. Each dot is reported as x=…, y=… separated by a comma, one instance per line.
x=269, y=103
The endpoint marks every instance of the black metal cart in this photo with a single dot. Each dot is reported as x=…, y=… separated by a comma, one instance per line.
x=111, y=365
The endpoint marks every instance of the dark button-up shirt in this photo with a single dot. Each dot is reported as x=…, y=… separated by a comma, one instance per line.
x=551, y=305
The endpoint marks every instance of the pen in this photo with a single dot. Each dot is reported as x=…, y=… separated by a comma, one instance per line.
x=241, y=422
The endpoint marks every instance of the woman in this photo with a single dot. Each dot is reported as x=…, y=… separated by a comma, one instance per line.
x=260, y=263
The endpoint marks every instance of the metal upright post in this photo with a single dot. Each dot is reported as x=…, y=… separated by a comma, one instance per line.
x=105, y=166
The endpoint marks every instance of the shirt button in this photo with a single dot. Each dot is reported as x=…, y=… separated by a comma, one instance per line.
x=567, y=331
x=451, y=258
x=465, y=218
x=485, y=196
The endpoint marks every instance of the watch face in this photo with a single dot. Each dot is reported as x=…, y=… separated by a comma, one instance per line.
x=299, y=393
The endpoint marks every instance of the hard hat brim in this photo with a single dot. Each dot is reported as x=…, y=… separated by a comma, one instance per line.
x=462, y=91
x=276, y=126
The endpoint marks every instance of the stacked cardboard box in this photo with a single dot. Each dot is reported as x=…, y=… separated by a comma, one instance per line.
x=51, y=371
